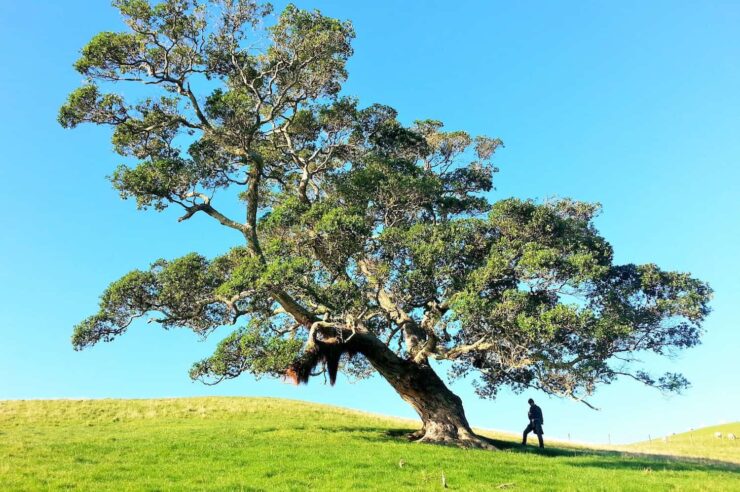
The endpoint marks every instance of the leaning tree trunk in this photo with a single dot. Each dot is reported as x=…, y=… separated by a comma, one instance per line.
x=441, y=410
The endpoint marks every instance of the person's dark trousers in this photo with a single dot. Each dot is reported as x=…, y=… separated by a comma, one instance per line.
x=537, y=428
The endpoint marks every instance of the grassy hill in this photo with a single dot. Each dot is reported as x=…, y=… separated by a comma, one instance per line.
x=698, y=443
x=268, y=444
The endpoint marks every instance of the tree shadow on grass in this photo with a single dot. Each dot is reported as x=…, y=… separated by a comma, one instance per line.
x=587, y=458
x=380, y=431
x=654, y=464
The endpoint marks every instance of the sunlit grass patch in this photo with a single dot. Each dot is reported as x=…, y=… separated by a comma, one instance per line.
x=270, y=444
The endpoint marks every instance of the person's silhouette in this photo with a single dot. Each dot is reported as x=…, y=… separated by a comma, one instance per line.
x=535, y=423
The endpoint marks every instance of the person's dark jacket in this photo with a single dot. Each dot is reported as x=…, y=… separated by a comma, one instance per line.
x=535, y=413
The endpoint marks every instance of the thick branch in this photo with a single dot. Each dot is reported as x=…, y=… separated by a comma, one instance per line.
x=208, y=209
x=461, y=350
x=412, y=332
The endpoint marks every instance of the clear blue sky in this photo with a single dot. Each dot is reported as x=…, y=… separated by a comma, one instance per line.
x=633, y=104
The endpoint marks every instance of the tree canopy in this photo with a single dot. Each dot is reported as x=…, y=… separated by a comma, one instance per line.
x=358, y=230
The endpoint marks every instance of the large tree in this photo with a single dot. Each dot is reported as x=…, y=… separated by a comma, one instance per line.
x=366, y=245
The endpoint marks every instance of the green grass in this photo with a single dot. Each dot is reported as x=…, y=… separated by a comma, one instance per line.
x=269, y=444
x=699, y=443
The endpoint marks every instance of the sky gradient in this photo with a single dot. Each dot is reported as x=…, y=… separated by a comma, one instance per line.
x=632, y=104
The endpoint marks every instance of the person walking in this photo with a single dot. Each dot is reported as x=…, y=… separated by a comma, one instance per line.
x=535, y=423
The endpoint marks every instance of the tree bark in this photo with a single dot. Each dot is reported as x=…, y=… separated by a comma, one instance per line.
x=441, y=411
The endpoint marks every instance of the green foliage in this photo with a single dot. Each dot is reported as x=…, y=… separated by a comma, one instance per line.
x=431, y=260
x=354, y=222
x=111, y=52
x=577, y=312
x=252, y=348
x=182, y=291
x=246, y=275
x=86, y=104
x=149, y=129
x=133, y=293
x=152, y=182
x=316, y=46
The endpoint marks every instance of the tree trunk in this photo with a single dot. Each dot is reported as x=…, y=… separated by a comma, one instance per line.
x=441, y=410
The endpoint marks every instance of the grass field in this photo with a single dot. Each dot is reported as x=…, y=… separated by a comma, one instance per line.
x=699, y=443
x=268, y=444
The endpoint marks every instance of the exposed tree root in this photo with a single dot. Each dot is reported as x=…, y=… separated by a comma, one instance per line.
x=461, y=438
